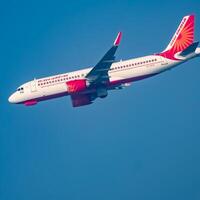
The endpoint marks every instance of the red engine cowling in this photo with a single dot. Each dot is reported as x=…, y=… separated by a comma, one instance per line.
x=76, y=86
x=80, y=100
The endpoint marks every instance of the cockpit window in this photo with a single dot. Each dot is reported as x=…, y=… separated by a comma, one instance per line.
x=20, y=89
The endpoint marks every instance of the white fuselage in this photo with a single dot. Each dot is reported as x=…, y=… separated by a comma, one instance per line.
x=119, y=73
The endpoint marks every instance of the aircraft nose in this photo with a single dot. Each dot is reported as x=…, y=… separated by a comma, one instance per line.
x=11, y=99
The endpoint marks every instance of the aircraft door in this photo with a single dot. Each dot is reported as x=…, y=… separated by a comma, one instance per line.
x=33, y=86
x=164, y=61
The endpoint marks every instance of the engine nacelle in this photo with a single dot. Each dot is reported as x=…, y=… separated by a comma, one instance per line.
x=76, y=86
x=102, y=92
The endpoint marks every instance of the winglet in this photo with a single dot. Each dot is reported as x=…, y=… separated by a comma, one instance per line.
x=118, y=39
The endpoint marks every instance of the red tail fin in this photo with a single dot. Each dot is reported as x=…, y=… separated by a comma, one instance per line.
x=183, y=37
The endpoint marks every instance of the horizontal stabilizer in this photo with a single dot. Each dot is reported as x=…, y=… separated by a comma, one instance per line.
x=189, y=49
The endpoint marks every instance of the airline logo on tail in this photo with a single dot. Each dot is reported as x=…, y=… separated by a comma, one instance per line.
x=183, y=38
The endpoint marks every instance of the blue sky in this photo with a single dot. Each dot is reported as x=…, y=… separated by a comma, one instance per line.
x=138, y=143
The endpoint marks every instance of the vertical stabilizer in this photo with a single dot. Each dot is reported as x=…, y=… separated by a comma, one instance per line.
x=182, y=39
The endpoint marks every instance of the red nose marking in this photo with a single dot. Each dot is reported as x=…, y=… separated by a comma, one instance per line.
x=30, y=103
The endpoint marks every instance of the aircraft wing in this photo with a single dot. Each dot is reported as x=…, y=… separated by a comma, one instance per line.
x=99, y=73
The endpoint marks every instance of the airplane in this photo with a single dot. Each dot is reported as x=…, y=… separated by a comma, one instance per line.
x=84, y=86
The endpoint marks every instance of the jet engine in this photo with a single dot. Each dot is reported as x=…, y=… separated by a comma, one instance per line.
x=76, y=86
